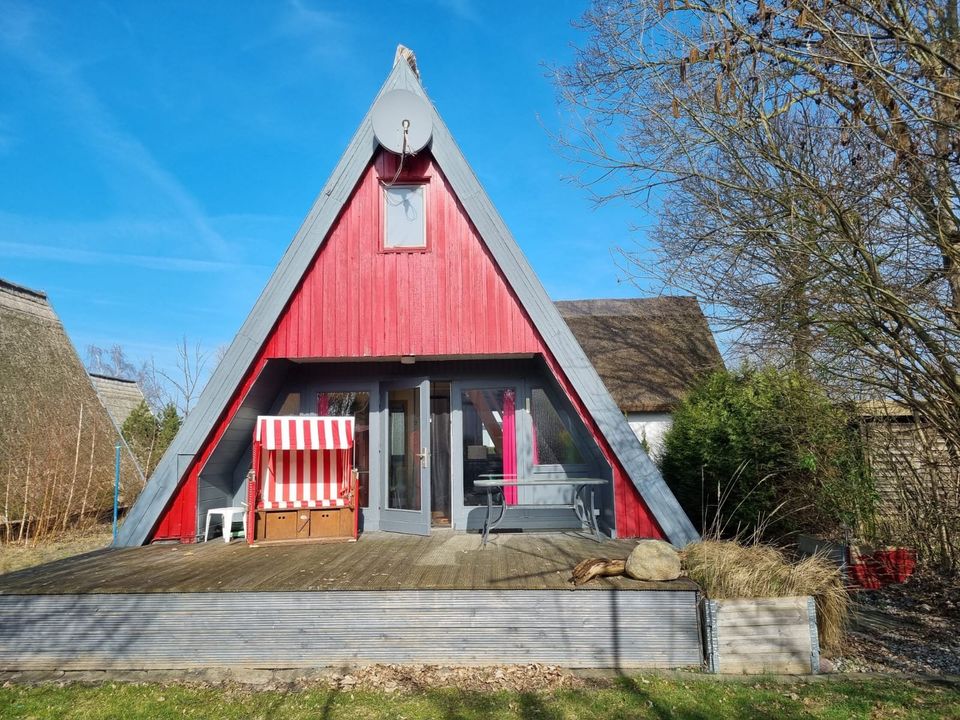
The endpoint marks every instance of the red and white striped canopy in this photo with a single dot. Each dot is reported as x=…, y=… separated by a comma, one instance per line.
x=279, y=432
x=304, y=462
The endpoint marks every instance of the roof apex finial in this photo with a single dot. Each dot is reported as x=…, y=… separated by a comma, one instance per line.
x=405, y=53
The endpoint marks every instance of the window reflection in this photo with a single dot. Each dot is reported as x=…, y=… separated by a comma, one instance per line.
x=356, y=404
x=489, y=439
x=553, y=442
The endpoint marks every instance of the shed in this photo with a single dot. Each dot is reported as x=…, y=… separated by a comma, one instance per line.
x=911, y=464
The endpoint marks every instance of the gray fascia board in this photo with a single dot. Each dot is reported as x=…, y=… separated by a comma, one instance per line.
x=229, y=374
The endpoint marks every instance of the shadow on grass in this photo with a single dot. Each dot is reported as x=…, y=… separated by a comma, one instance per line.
x=626, y=698
x=629, y=698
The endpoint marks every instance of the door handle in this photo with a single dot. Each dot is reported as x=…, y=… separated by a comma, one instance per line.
x=424, y=457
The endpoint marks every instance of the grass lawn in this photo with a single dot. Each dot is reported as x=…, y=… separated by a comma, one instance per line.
x=15, y=556
x=651, y=697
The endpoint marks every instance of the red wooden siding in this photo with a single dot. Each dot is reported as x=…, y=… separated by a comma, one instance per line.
x=179, y=520
x=356, y=301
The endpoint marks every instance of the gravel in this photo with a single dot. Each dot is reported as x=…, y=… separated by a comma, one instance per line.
x=911, y=628
x=407, y=678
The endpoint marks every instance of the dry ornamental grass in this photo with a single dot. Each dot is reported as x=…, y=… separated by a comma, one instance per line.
x=729, y=570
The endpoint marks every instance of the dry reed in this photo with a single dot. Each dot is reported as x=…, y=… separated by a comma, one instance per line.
x=730, y=570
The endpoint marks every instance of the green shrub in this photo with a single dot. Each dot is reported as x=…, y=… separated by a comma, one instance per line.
x=766, y=449
x=148, y=435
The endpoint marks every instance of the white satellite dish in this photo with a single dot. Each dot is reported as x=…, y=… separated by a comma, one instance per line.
x=400, y=115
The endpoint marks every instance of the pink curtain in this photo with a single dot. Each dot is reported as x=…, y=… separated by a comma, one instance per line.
x=323, y=404
x=509, y=445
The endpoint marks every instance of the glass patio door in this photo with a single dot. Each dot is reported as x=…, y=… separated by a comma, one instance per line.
x=405, y=454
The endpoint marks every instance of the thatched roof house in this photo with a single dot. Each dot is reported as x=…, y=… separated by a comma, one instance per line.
x=53, y=462
x=120, y=396
x=647, y=351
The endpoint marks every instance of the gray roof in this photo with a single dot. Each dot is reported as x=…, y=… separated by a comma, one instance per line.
x=648, y=351
x=119, y=396
x=533, y=297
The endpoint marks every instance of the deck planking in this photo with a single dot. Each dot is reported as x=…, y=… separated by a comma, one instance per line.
x=446, y=560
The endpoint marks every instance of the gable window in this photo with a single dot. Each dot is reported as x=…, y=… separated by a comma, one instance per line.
x=553, y=434
x=404, y=217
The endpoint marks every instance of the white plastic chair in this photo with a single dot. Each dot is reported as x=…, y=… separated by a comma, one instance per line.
x=228, y=514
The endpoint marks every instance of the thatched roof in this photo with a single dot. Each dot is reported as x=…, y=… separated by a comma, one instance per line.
x=648, y=351
x=43, y=385
x=119, y=396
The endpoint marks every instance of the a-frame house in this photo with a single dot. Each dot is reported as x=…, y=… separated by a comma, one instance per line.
x=392, y=320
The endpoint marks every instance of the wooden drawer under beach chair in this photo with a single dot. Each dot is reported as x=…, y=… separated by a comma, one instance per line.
x=303, y=483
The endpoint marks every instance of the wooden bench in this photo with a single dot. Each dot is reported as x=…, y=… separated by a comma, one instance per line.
x=493, y=484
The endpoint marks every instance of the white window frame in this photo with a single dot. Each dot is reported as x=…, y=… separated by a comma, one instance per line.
x=422, y=186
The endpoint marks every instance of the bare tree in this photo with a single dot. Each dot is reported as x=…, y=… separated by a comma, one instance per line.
x=190, y=376
x=804, y=158
x=112, y=361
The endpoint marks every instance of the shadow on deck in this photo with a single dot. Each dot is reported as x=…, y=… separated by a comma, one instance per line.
x=445, y=560
x=442, y=599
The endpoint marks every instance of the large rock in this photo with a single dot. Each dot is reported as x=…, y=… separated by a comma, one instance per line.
x=653, y=560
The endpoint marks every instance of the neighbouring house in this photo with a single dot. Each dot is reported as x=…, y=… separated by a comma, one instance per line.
x=404, y=302
x=57, y=442
x=120, y=396
x=648, y=352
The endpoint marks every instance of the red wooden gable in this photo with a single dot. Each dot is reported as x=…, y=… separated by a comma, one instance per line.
x=358, y=301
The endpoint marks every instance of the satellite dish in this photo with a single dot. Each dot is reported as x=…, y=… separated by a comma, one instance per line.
x=400, y=113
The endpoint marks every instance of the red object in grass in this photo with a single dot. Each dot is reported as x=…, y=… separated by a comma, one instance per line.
x=866, y=573
x=896, y=564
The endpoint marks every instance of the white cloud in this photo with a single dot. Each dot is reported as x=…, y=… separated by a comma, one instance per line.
x=323, y=31
x=110, y=241
x=79, y=256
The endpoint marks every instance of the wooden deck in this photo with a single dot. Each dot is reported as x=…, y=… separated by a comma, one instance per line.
x=387, y=598
x=445, y=560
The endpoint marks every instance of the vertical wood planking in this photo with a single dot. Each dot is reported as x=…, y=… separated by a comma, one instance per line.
x=449, y=300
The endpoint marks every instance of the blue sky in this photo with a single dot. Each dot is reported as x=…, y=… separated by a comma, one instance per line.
x=157, y=158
